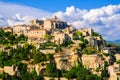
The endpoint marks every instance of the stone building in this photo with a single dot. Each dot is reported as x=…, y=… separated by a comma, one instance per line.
x=92, y=62
x=86, y=31
x=66, y=59
x=117, y=56
x=48, y=24
x=114, y=71
x=8, y=29
x=60, y=37
x=106, y=50
x=36, y=36
x=95, y=42
x=92, y=41
x=20, y=29
x=11, y=70
x=38, y=28
x=69, y=31
x=36, y=22
x=54, y=23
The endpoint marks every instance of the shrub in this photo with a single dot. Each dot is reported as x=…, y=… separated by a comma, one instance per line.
x=106, y=54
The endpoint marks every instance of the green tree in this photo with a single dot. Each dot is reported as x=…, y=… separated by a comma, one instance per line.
x=87, y=51
x=92, y=77
x=78, y=33
x=95, y=34
x=58, y=49
x=67, y=43
x=38, y=57
x=104, y=73
x=49, y=56
x=51, y=70
x=48, y=37
x=22, y=37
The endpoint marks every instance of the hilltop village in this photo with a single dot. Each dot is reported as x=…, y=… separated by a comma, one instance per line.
x=53, y=50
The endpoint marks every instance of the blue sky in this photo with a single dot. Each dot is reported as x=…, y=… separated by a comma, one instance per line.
x=57, y=5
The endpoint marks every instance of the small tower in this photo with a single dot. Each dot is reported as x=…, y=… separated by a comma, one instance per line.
x=55, y=18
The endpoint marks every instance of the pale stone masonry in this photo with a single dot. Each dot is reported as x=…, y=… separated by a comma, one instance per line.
x=114, y=71
x=54, y=23
x=92, y=62
x=60, y=37
x=8, y=29
x=86, y=31
x=66, y=59
x=38, y=28
x=36, y=35
x=36, y=22
x=106, y=50
x=20, y=29
x=11, y=70
x=117, y=56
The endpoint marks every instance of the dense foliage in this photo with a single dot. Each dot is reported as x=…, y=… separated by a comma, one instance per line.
x=80, y=73
x=47, y=45
x=7, y=38
x=95, y=34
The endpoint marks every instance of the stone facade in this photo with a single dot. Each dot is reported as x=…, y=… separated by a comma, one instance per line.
x=8, y=29
x=52, y=51
x=60, y=37
x=114, y=71
x=106, y=50
x=86, y=31
x=117, y=56
x=20, y=29
x=66, y=59
x=36, y=22
x=54, y=23
x=11, y=70
x=95, y=42
x=92, y=62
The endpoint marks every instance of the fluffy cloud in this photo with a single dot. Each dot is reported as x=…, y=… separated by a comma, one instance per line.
x=11, y=14
x=104, y=20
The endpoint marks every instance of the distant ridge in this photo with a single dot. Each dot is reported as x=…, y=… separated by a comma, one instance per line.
x=115, y=41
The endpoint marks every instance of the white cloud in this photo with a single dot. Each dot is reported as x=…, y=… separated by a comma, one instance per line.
x=104, y=20
x=11, y=14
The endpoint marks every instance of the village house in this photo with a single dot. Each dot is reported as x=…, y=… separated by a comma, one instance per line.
x=92, y=41
x=117, y=56
x=54, y=24
x=20, y=29
x=66, y=59
x=8, y=29
x=36, y=36
x=69, y=31
x=106, y=50
x=95, y=42
x=86, y=31
x=36, y=22
x=60, y=37
x=92, y=62
x=114, y=71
